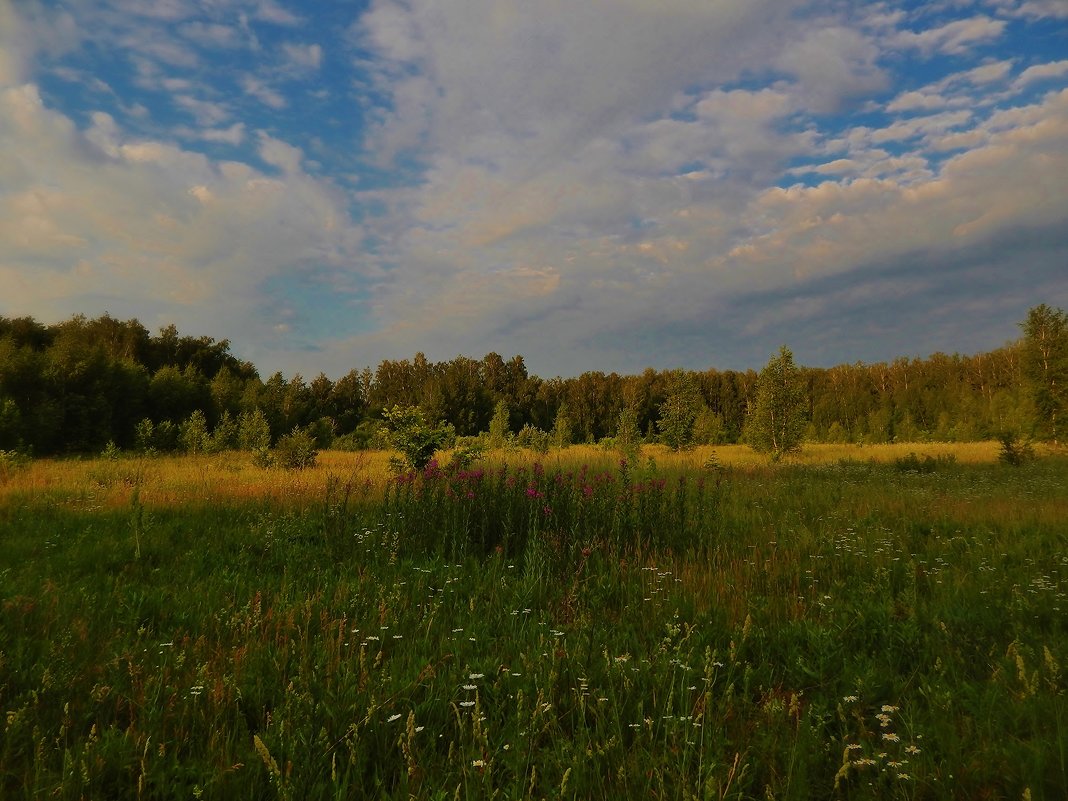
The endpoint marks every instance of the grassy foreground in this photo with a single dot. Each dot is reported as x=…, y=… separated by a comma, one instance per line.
x=840, y=627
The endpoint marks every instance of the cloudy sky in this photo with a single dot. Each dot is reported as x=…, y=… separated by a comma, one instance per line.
x=594, y=184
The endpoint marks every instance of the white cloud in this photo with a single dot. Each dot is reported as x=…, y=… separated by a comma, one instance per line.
x=205, y=112
x=97, y=219
x=833, y=64
x=305, y=57
x=1038, y=72
x=211, y=34
x=270, y=11
x=918, y=100
x=1032, y=9
x=258, y=89
x=955, y=38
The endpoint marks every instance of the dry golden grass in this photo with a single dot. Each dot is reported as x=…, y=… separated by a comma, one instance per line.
x=231, y=476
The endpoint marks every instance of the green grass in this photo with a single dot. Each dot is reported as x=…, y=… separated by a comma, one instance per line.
x=735, y=634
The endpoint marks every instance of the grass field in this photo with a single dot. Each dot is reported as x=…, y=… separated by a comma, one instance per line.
x=847, y=625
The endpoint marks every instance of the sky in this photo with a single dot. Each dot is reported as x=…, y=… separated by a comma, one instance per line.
x=593, y=184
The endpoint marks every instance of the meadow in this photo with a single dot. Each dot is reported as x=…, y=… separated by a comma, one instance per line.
x=857, y=623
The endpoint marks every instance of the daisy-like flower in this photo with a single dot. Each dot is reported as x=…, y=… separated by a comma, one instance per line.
x=478, y=763
x=888, y=708
x=393, y=718
x=474, y=676
x=890, y=737
x=912, y=750
x=467, y=703
x=850, y=699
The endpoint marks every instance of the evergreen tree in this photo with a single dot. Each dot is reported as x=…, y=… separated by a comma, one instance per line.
x=776, y=422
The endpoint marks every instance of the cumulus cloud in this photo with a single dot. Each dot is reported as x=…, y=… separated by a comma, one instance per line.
x=552, y=180
x=147, y=228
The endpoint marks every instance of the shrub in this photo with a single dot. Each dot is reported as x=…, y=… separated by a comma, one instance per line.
x=253, y=431
x=193, y=433
x=533, y=438
x=1015, y=450
x=407, y=431
x=296, y=450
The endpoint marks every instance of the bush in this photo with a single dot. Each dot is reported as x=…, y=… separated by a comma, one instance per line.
x=296, y=450
x=253, y=431
x=1015, y=450
x=12, y=461
x=407, y=431
x=533, y=438
x=193, y=433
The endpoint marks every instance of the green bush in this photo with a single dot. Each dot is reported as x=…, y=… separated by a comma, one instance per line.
x=1015, y=450
x=296, y=450
x=407, y=431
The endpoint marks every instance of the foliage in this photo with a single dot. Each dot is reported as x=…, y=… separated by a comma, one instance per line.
x=776, y=423
x=253, y=431
x=1045, y=364
x=73, y=386
x=12, y=461
x=499, y=431
x=628, y=438
x=561, y=435
x=225, y=434
x=534, y=438
x=296, y=450
x=407, y=431
x=193, y=434
x=1015, y=450
x=679, y=410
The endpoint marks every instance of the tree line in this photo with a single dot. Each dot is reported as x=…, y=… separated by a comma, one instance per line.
x=78, y=385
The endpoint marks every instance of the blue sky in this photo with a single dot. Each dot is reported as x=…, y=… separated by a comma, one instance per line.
x=605, y=184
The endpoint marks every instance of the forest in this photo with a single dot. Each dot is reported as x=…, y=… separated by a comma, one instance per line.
x=83, y=385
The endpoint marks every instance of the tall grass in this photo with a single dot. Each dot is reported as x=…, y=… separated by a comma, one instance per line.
x=844, y=630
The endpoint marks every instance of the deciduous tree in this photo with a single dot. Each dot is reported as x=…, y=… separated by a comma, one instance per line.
x=776, y=422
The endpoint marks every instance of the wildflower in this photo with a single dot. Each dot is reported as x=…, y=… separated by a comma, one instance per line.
x=888, y=708
x=393, y=718
x=474, y=676
x=890, y=737
x=478, y=763
x=912, y=750
x=470, y=687
x=850, y=699
x=854, y=747
x=467, y=703
x=903, y=776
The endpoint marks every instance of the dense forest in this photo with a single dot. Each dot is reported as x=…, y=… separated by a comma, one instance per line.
x=76, y=386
